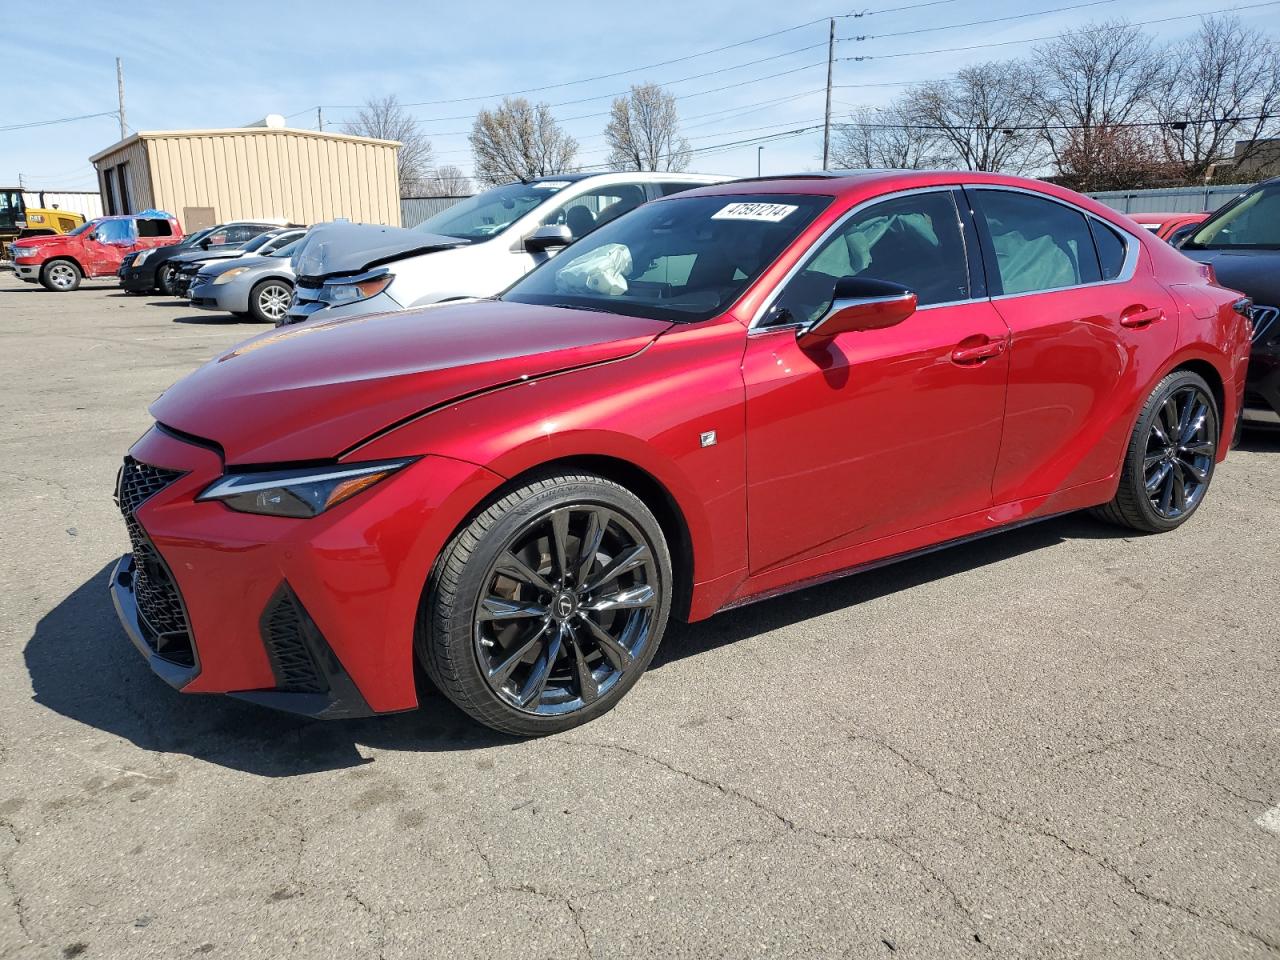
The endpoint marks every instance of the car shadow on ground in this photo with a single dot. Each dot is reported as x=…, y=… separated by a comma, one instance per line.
x=83, y=667
x=1259, y=441
x=213, y=319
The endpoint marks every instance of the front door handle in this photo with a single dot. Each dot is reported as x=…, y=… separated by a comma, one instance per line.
x=1139, y=316
x=977, y=352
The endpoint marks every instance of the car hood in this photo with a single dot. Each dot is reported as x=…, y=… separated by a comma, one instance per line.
x=195, y=256
x=313, y=391
x=336, y=248
x=49, y=240
x=219, y=267
x=1255, y=273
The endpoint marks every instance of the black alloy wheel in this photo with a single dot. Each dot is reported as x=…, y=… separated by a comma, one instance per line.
x=1171, y=456
x=1179, y=455
x=546, y=609
x=167, y=277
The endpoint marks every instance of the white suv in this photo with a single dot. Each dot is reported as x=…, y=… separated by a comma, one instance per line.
x=476, y=248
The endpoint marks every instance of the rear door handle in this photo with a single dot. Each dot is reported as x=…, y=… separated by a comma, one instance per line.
x=1140, y=316
x=976, y=353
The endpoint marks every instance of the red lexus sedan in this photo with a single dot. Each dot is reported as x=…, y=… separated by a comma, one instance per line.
x=720, y=396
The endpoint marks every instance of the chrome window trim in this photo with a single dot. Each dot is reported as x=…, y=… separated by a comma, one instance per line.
x=1133, y=248
x=1133, y=245
x=755, y=325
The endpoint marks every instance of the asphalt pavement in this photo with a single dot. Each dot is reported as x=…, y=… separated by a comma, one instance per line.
x=1062, y=741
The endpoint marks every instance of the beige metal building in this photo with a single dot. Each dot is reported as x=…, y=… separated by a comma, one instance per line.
x=267, y=171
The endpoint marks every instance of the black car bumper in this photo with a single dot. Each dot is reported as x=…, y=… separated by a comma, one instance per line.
x=140, y=279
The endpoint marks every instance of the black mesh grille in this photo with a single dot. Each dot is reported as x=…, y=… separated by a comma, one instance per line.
x=164, y=618
x=1264, y=322
x=283, y=634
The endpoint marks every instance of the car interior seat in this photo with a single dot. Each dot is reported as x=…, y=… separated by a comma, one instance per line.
x=580, y=221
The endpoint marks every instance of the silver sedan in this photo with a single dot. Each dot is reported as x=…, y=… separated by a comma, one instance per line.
x=258, y=287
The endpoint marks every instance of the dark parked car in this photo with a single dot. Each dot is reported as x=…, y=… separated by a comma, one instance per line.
x=152, y=270
x=1242, y=244
x=189, y=264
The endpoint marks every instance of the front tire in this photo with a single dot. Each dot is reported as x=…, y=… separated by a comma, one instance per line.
x=545, y=610
x=60, y=276
x=269, y=301
x=1170, y=459
x=167, y=280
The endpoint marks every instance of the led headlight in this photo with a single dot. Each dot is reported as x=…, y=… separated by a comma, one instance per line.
x=343, y=290
x=140, y=256
x=229, y=275
x=22, y=252
x=299, y=493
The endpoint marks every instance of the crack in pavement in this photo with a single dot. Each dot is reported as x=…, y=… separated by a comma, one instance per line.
x=1078, y=850
x=10, y=884
x=379, y=918
x=788, y=826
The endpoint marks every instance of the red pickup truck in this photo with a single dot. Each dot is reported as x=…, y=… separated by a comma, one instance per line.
x=60, y=262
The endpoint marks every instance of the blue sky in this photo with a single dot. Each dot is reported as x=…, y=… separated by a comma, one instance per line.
x=229, y=63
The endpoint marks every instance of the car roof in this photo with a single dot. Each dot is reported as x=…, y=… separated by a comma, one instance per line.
x=870, y=183
x=644, y=176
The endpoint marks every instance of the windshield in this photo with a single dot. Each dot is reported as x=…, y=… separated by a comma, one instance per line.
x=488, y=214
x=286, y=250
x=1252, y=222
x=193, y=238
x=89, y=225
x=683, y=259
x=261, y=240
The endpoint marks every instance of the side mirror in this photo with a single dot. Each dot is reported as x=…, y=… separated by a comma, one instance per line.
x=547, y=237
x=204, y=244
x=859, y=304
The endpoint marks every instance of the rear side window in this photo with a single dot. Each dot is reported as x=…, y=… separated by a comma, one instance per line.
x=154, y=228
x=666, y=189
x=1039, y=244
x=1111, y=247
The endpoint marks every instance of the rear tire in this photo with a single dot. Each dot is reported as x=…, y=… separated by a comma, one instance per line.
x=1171, y=457
x=269, y=301
x=60, y=276
x=545, y=610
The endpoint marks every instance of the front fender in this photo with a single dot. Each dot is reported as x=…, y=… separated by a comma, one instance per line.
x=673, y=411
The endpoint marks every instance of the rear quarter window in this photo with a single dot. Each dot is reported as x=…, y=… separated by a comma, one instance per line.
x=1112, y=249
x=155, y=228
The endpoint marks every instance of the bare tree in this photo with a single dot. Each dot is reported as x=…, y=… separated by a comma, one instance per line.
x=518, y=141
x=985, y=117
x=644, y=131
x=1221, y=91
x=884, y=138
x=1112, y=158
x=386, y=119
x=447, y=181
x=1093, y=83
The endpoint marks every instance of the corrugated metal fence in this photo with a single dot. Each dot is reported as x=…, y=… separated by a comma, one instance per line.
x=413, y=210
x=1172, y=199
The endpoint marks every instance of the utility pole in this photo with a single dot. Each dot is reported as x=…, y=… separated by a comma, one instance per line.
x=319, y=119
x=826, y=123
x=120, y=96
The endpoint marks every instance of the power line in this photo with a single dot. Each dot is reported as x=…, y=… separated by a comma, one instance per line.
x=979, y=23
x=1042, y=127
x=1054, y=36
x=49, y=123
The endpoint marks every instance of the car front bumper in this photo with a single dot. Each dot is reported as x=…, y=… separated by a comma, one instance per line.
x=302, y=310
x=29, y=272
x=313, y=616
x=230, y=297
x=1262, y=387
x=140, y=279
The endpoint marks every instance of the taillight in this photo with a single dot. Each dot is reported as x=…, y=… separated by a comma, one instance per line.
x=1207, y=272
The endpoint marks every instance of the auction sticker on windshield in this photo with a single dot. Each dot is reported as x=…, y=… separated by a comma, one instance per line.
x=768, y=212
